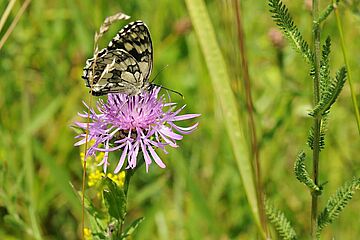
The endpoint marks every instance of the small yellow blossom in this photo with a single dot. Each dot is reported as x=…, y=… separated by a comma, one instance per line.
x=95, y=174
x=118, y=179
x=99, y=157
x=87, y=234
x=95, y=177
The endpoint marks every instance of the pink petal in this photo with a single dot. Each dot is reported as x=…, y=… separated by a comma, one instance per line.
x=169, y=104
x=167, y=132
x=81, y=142
x=106, y=155
x=156, y=157
x=122, y=159
x=184, y=130
x=146, y=154
x=171, y=143
x=184, y=117
x=110, y=149
x=133, y=155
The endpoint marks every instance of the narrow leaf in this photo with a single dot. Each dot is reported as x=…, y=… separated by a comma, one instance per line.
x=88, y=204
x=115, y=199
x=329, y=97
x=280, y=222
x=337, y=203
x=282, y=18
x=302, y=175
x=327, y=11
x=325, y=67
x=129, y=230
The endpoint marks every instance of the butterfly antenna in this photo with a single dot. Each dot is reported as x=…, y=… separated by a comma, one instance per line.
x=159, y=73
x=160, y=86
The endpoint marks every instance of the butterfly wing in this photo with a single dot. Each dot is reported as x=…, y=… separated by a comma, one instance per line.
x=125, y=65
x=135, y=39
x=114, y=71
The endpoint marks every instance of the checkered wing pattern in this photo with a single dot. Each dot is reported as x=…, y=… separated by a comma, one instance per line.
x=125, y=65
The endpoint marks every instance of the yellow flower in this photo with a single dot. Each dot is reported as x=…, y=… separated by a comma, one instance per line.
x=87, y=234
x=99, y=157
x=95, y=174
x=95, y=177
x=118, y=179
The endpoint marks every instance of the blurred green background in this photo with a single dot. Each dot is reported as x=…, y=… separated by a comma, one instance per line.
x=199, y=195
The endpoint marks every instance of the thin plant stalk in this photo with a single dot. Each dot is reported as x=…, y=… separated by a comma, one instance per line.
x=251, y=121
x=84, y=176
x=14, y=22
x=317, y=120
x=6, y=13
x=85, y=151
x=128, y=175
x=86, y=148
x=347, y=65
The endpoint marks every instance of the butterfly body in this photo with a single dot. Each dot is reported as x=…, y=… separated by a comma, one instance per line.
x=124, y=66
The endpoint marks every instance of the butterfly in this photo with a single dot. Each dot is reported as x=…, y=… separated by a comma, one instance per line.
x=124, y=66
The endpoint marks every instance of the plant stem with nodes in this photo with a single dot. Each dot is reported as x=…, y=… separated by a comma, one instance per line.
x=318, y=119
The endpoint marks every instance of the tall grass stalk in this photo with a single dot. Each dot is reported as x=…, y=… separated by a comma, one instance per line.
x=222, y=89
x=6, y=13
x=347, y=65
x=251, y=122
x=14, y=22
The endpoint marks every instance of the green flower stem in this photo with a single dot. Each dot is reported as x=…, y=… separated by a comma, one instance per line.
x=317, y=120
x=342, y=42
x=128, y=174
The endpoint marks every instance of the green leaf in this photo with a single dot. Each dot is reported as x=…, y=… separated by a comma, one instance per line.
x=327, y=11
x=310, y=140
x=325, y=67
x=99, y=235
x=97, y=218
x=280, y=222
x=92, y=210
x=282, y=18
x=115, y=199
x=337, y=203
x=129, y=230
x=221, y=84
x=302, y=175
x=330, y=95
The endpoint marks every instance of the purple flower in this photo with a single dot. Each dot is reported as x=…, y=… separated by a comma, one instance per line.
x=143, y=122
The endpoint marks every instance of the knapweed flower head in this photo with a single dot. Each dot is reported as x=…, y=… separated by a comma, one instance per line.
x=133, y=124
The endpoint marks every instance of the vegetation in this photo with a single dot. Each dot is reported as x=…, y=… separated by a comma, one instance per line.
x=208, y=189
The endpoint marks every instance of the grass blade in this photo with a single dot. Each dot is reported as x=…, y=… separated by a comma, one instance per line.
x=221, y=84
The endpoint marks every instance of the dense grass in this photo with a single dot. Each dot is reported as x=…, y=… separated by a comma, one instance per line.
x=200, y=194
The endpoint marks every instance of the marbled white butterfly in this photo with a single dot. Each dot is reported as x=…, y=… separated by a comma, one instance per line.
x=125, y=65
